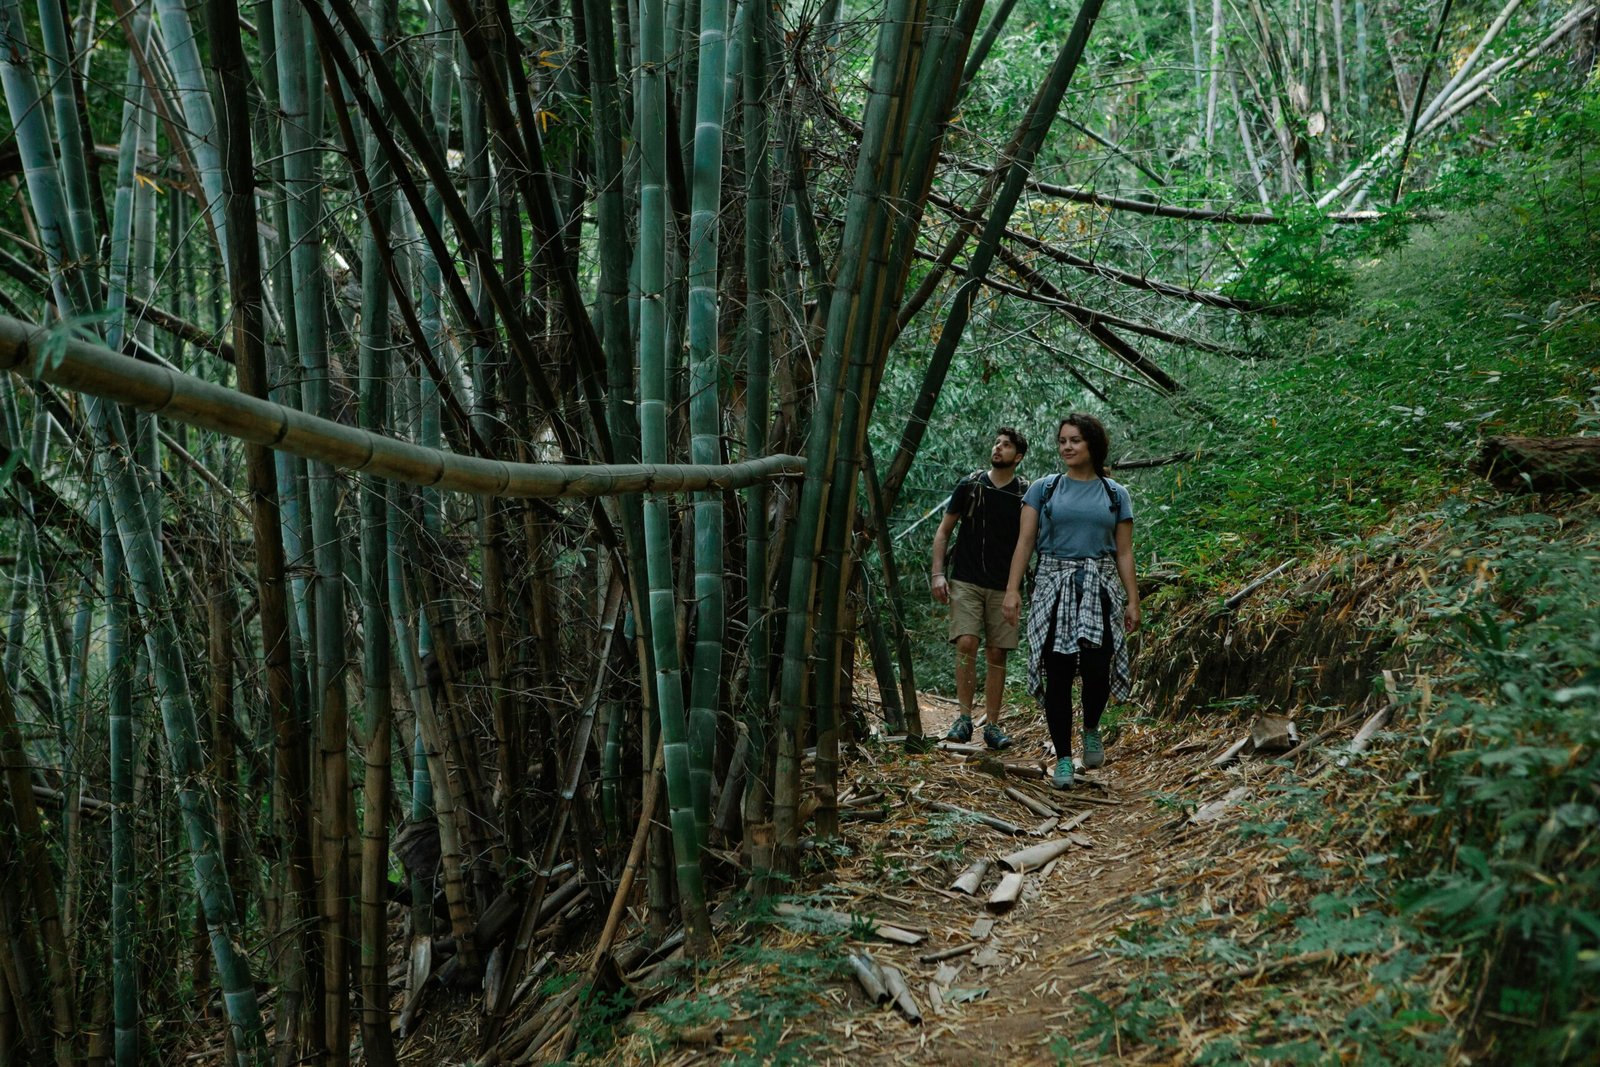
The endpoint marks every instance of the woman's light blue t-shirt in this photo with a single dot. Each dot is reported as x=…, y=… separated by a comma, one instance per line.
x=1076, y=520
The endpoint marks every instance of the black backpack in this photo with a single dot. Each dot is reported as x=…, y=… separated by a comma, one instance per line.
x=973, y=484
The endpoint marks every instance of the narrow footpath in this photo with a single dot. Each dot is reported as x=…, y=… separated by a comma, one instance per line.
x=1151, y=839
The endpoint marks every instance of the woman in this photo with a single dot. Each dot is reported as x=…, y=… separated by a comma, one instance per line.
x=1085, y=598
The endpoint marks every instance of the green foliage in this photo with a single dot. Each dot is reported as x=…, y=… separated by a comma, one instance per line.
x=1133, y=1020
x=759, y=1016
x=1514, y=872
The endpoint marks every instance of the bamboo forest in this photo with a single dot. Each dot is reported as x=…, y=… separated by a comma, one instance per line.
x=471, y=472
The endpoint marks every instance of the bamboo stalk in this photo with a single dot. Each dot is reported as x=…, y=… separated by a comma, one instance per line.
x=705, y=408
x=99, y=372
x=37, y=876
x=653, y=361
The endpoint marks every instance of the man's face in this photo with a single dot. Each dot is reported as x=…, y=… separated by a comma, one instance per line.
x=1004, y=454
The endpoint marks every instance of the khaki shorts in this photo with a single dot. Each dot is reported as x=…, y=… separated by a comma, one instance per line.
x=976, y=610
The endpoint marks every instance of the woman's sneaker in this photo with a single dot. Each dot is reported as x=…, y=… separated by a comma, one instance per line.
x=994, y=738
x=1062, y=779
x=1094, y=753
x=960, y=730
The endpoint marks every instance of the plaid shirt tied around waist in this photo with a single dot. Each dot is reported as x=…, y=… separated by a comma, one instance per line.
x=1067, y=613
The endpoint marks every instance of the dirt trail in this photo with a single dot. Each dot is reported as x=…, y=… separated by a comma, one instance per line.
x=1047, y=948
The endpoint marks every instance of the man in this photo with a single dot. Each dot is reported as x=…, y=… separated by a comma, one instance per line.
x=987, y=505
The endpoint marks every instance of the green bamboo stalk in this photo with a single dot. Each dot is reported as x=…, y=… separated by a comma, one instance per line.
x=164, y=648
x=125, y=970
x=653, y=361
x=980, y=51
x=613, y=303
x=119, y=702
x=1018, y=163
x=896, y=603
x=69, y=133
x=858, y=306
x=377, y=660
x=75, y=753
x=200, y=123
x=300, y=110
x=755, y=26
x=97, y=371
x=420, y=808
x=843, y=317
x=302, y=976
x=248, y=297
x=882, y=664
x=705, y=408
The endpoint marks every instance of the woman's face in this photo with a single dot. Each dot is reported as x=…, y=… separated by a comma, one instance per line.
x=1074, y=449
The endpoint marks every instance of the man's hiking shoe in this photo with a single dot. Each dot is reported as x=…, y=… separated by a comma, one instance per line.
x=1062, y=779
x=994, y=738
x=960, y=730
x=1094, y=753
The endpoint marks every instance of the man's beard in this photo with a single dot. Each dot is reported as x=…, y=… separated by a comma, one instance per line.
x=1002, y=465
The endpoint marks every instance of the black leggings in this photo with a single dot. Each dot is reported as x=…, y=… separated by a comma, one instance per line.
x=1093, y=663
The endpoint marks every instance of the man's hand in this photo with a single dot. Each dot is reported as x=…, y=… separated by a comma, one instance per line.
x=941, y=589
x=1130, y=618
x=1011, y=607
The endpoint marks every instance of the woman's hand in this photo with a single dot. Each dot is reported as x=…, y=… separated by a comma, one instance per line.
x=1130, y=618
x=941, y=589
x=1011, y=607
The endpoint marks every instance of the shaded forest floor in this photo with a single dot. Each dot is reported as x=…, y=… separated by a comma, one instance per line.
x=1170, y=854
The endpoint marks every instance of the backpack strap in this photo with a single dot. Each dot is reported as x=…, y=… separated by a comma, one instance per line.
x=1116, y=503
x=1055, y=483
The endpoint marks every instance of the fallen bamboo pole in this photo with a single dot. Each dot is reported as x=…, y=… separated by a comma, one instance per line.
x=54, y=357
x=1038, y=807
x=947, y=953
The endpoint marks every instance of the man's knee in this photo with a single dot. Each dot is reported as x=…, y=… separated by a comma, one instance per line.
x=967, y=645
x=996, y=656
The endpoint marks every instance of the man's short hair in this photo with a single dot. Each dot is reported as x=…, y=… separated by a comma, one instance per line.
x=1016, y=437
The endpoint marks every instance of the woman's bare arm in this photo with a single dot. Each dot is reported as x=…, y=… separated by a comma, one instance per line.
x=1130, y=583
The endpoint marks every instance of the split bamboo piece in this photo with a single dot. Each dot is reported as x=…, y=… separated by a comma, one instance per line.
x=1213, y=811
x=970, y=879
x=901, y=994
x=1233, y=752
x=868, y=976
x=1036, y=856
x=1007, y=893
